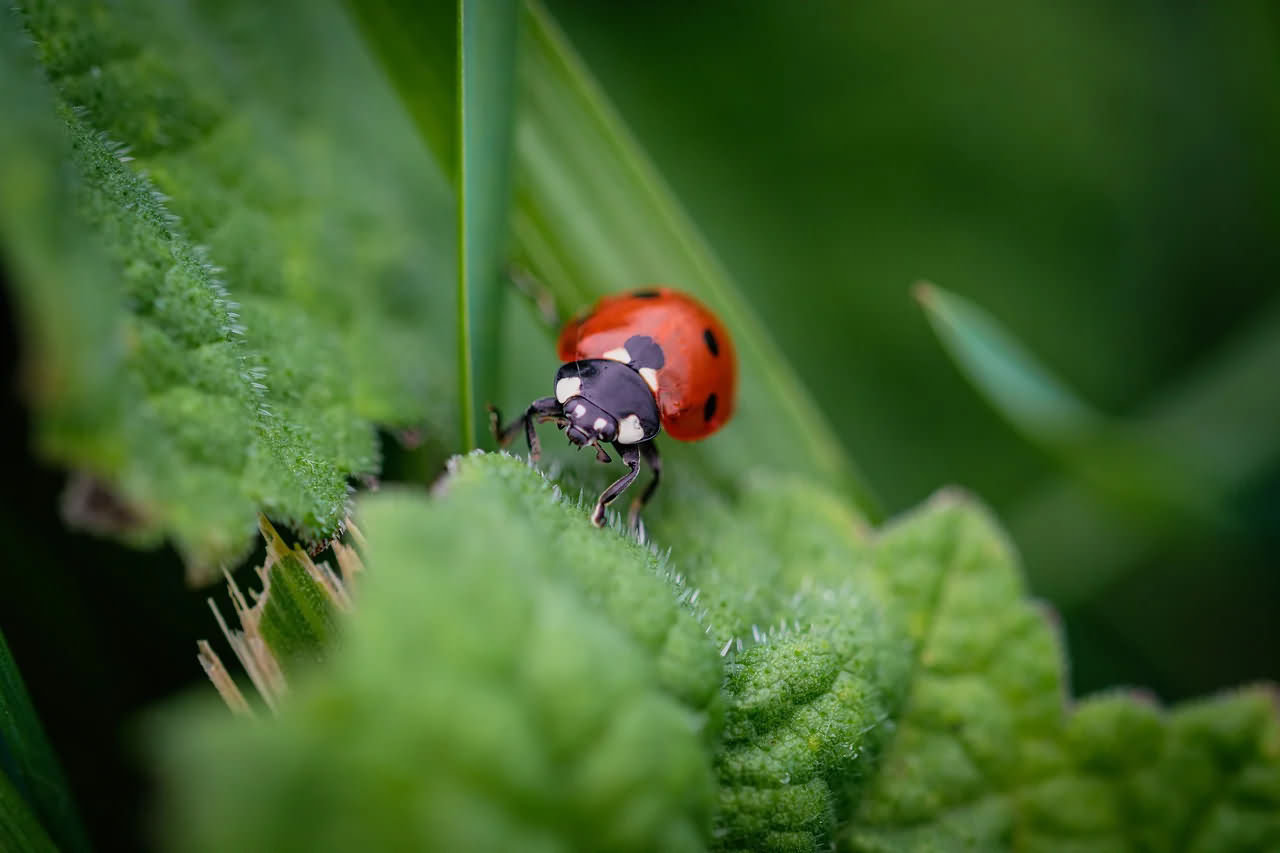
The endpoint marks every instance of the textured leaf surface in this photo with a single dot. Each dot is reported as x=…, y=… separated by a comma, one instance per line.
x=277, y=247
x=512, y=680
x=786, y=680
x=815, y=659
x=298, y=619
x=988, y=755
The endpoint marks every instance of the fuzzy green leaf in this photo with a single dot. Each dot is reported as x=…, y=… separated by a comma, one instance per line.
x=541, y=689
x=987, y=755
x=815, y=659
x=274, y=252
x=787, y=680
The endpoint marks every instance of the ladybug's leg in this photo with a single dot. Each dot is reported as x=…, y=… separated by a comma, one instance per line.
x=542, y=409
x=649, y=451
x=631, y=457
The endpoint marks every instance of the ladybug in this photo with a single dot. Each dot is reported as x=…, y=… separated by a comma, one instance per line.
x=637, y=363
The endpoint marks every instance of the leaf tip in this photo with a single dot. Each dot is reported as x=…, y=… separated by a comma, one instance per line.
x=925, y=293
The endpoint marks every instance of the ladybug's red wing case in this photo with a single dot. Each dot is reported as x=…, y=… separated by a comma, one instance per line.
x=676, y=343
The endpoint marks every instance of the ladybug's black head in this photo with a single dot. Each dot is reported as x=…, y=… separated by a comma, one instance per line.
x=588, y=423
x=604, y=401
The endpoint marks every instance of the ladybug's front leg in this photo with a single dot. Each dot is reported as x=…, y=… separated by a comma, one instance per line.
x=649, y=450
x=631, y=458
x=542, y=409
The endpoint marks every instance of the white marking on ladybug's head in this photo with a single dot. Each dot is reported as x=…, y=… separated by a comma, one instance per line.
x=619, y=354
x=650, y=377
x=600, y=424
x=629, y=430
x=568, y=387
x=579, y=410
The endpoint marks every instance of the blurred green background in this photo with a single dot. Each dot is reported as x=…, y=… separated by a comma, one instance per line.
x=1102, y=178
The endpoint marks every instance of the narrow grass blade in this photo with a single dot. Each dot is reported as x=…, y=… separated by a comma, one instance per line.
x=1221, y=419
x=1226, y=412
x=1021, y=389
x=488, y=35
x=1129, y=462
x=20, y=832
x=29, y=771
x=416, y=44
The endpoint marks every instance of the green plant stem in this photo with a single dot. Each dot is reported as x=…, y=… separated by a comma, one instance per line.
x=487, y=39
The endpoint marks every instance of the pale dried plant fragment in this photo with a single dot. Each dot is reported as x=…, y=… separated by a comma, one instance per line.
x=260, y=661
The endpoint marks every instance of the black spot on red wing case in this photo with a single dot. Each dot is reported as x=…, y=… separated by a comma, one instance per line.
x=709, y=408
x=644, y=352
x=712, y=344
x=645, y=294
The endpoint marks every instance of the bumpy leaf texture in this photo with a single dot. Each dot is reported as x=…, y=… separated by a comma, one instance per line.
x=989, y=755
x=276, y=244
x=785, y=679
x=514, y=681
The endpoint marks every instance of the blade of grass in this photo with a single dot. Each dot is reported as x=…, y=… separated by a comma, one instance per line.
x=29, y=767
x=1130, y=466
x=1020, y=388
x=487, y=39
x=592, y=215
x=417, y=47
x=1169, y=473
x=1222, y=418
x=20, y=832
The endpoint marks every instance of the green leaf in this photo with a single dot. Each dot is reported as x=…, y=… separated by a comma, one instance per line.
x=490, y=693
x=987, y=755
x=592, y=216
x=35, y=802
x=256, y=342
x=1135, y=462
x=20, y=832
x=289, y=626
x=417, y=44
x=815, y=658
x=1139, y=469
x=1021, y=388
x=1220, y=420
x=486, y=117
x=786, y=680
x=74, y=383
